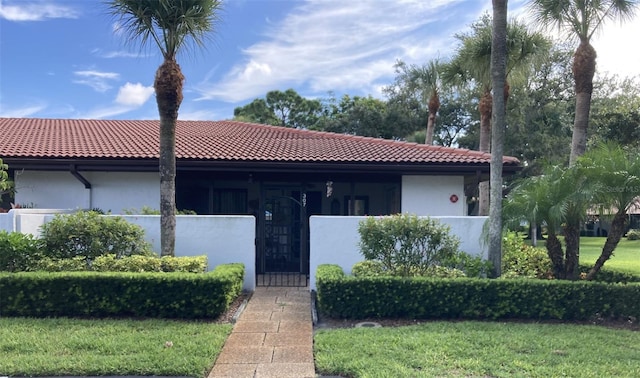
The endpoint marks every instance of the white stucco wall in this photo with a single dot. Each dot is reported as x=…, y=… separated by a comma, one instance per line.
x=334, y=240
x=430, y=195
x=223, y=239
x=110, y=191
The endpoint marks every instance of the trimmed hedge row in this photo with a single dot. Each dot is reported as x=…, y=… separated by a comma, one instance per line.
x=344, y=296
x=135, y=263
x=93, y=294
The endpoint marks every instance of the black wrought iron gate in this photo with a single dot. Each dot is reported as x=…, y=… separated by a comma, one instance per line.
x=283, y=256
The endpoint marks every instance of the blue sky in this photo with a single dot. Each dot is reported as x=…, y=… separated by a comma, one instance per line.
x=67, y=59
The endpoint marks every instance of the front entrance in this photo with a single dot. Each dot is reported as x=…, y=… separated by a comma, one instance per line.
x=283, y=245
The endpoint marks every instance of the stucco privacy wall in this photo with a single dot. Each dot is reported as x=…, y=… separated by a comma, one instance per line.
x=334, y=240
x=110, y=191
x=432, y=195
x=223, y=239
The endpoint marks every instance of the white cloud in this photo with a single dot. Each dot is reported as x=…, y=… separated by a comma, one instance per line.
x=133, y=94
x=96, y=79
x=23, y=112
x=117, y=54
x=335, y=45
x=34, y=11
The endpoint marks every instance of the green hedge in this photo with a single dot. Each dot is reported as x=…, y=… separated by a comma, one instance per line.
x=94, y=294
x=470, y=298
x=135, y=263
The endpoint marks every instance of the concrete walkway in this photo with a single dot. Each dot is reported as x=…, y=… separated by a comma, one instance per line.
x=273, y=337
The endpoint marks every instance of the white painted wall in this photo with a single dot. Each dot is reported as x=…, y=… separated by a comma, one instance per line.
x=110, y=191
x=334, y=240
x=430, y=195
x=223, y=239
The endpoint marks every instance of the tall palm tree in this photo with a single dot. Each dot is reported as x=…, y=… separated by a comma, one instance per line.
x=425, y=80
x=170, y=25
x=499, y=114
x=581, y=19
x=471, y=65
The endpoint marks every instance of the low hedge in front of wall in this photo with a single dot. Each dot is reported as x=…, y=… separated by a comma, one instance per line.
x=343, y=296
x=94, y=294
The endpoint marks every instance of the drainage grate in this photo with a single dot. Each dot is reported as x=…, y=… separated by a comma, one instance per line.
x=286, y=279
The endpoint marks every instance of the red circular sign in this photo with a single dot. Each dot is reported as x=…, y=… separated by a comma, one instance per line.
x=453, y=198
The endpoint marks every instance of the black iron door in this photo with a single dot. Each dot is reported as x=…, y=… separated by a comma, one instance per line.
x=283, y=245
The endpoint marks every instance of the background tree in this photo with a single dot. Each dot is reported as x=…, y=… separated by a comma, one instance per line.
x=498, y=78
x=6, y=185
x=615, y=114
x=581, y=19
x=471, y=66
x=278, y=108
x=170, y=25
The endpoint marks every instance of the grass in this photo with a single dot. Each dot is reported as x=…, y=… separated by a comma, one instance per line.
x=60, y=346
x=626, y=256
x=479, y=349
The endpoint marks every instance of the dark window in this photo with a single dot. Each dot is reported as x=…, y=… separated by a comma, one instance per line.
x=229, y=201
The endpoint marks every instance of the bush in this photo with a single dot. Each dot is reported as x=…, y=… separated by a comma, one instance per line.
x=374, y=268
x=405, y=244
x=344, y=296
x=522, y=260
x=633, y=234
x=132, y=264
x=158, y=295
x=89, y=235
x=18, y=252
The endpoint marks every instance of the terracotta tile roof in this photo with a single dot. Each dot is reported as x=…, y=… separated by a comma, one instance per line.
x=212, y=141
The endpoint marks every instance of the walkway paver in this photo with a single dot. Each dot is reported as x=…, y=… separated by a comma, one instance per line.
x=272, y=338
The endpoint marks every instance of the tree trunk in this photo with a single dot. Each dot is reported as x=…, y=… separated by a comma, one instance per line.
x=572, y=252
x=168, y=87
x=434, y=106
x=554, y=250
x=430, y=126
x=498, y=74
x=618, y=225
x=485, y=107
x=584, y=67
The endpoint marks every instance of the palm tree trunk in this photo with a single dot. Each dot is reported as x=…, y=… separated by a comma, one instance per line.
x=168, y=88
x=618, y=225
x=554, y=250
x=486, y=103
x=430, y=126
x=584, y=67
x=572, y=253
x=498, y=73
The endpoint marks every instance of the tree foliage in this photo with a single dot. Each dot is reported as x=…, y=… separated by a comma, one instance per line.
x=278, y=108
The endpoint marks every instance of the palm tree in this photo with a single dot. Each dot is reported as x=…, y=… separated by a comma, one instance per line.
x=559, y=199
x=170, y=24
x=581, y=19
x=425, y=80
x=615, y=173
x=472, y=66
x=498, y=79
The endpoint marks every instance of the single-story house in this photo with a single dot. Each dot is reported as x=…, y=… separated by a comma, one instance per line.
x=282, y=176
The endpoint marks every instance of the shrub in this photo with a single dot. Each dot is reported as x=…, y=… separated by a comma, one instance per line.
x=157, y=295
x=131, y=264
x=405, y=244
x=89, y=235
x=522, y=260
x=368, y=268
x=344, y=296
x=18, y=252
x=633, y=234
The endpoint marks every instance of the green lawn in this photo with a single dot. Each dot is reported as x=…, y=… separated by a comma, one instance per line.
x=479, y=349
x=626, y=256
x=32, y=347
